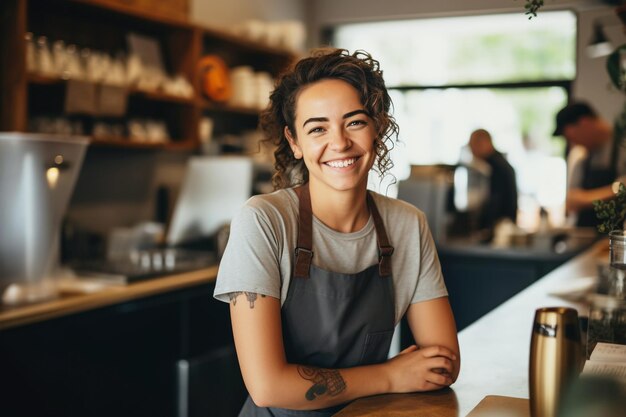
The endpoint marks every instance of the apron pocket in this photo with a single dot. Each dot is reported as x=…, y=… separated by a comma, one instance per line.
x=376, y=347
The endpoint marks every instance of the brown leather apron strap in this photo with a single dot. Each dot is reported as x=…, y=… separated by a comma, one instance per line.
x=304, y=248
x=385, y=250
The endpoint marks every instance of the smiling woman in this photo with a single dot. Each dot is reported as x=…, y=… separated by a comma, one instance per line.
x=336, y=266
x=366, y=79
x=335, y=137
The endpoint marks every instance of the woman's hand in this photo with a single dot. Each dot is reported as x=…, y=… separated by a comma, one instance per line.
x=421, y=369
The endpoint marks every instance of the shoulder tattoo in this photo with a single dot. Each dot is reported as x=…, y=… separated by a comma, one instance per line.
x=251, y=296
x=325, y=381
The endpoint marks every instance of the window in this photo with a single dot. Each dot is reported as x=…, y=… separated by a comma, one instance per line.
x=450, y=76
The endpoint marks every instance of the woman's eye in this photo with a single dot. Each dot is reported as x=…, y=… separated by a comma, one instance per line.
x=357, y=123
x=316, y=130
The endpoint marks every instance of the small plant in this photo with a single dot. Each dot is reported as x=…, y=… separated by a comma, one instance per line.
x=611, y=213
x=532, y=6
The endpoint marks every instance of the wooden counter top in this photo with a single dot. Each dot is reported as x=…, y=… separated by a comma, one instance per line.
x=68, y=304
x=494, y=350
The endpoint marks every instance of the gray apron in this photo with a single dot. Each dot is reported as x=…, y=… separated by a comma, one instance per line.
x=594, y=177
x=333, y=320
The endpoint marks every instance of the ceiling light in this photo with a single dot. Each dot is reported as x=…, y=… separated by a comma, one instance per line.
x=599, y=45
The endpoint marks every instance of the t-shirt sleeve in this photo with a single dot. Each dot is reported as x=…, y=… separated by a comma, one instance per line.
x=430, y=283
x=251, y=260
x=575, y=169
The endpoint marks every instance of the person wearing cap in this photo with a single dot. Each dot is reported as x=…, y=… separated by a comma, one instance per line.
x=502, y=200
x=591, y=176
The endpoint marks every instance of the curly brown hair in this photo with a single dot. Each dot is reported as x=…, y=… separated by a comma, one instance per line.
x=359, y=70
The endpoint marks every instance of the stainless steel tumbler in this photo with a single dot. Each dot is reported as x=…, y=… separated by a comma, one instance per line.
x=555, y=358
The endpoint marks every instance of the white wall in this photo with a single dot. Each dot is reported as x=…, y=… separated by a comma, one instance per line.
x=223, y=14
x=593, y=83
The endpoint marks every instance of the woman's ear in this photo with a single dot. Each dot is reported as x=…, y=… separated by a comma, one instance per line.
x=297, y=152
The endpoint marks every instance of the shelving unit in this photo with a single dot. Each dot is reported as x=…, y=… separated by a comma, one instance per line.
x=126, y=358
x=103, y=25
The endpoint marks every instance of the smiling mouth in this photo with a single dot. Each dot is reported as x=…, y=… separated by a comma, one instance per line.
x=341, y=163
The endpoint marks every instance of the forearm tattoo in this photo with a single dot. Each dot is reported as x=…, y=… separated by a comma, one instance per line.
x=251, y=296
x=325, y=381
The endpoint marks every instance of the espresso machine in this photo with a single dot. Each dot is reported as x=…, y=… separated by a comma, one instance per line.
x=451, y=196
x=37, y=177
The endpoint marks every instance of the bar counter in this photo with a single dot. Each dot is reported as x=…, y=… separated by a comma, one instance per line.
x=494, y=351
x=140, y=332
x=142, y=349
x=76, y=303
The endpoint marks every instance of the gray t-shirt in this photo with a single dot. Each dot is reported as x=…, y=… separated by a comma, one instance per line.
x=259, y=255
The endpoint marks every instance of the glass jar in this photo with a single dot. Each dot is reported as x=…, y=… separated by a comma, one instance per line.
x=617, y=249
x=607, y=315
x=607, y=321
x=617, y=258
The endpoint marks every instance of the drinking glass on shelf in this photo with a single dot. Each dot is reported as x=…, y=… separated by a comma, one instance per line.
x=59, y=57
x=44, y=60
x=73, y=65
x=31, y=52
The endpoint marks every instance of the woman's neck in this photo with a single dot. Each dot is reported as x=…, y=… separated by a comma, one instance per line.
x=343, y=211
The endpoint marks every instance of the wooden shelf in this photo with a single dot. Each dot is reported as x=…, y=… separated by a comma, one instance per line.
x=103, y=25
x=40, y=79
x=160, y=96
x=70, y=304
x=226, y=108
x=129, y=11
x=248, y=44
x=123, y=142
x=35, y=78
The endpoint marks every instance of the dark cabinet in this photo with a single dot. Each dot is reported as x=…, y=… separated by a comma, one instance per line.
x=125, y=360
x=481, y=278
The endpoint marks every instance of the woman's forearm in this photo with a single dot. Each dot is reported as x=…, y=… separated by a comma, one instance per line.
x=305, y=388
x=302, y=387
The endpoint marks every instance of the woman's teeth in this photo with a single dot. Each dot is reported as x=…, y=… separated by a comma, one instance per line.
x=341, y=164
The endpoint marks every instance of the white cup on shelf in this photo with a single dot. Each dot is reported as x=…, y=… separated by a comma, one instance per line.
x=263, y=88
x=205, y=129
x=59, y=57
x=274, y=34
x=294, y=35
x=243, y=86
x=255, y=30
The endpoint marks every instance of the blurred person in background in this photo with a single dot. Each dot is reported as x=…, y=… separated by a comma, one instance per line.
x=502, y=200
x=591, y=175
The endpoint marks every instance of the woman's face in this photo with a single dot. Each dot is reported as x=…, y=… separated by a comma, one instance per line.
x=334, y=136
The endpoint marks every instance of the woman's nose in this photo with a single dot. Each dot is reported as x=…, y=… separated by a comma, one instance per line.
x=340, y=141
